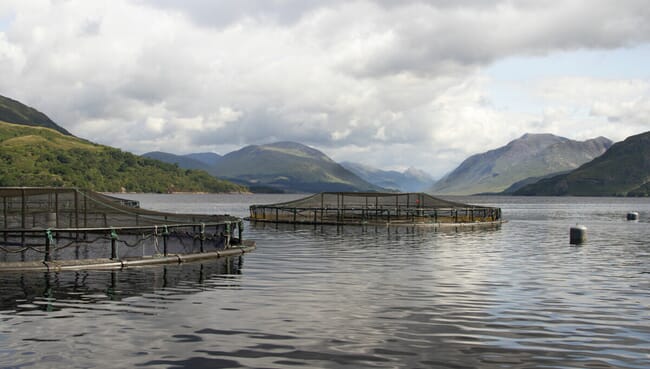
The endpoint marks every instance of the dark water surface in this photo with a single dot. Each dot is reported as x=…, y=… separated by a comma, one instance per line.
x=325, y=297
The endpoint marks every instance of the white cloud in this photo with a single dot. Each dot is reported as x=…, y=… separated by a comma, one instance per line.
x=615, y=108
x=393, y=84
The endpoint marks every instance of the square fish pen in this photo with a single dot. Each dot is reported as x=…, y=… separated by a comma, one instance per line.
x=375, y=208
x=72, y=227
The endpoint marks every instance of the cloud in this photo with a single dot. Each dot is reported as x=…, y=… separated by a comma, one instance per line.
x=401, y=82
x=616, y=108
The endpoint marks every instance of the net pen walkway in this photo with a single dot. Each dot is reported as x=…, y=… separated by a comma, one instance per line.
x=42, y=227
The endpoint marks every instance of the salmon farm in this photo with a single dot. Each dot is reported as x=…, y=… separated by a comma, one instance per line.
x=44, y=228
x=392, y=209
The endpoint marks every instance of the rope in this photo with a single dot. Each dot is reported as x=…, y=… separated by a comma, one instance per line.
x=155, y=240
x=18, y=250
x=48, y=232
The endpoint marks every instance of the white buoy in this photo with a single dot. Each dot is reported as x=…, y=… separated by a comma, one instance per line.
x=633, y=215
x=578, y=235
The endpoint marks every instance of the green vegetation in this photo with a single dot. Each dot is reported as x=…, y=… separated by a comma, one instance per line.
x=624, y=170
x=36, y=156
x=15, y=112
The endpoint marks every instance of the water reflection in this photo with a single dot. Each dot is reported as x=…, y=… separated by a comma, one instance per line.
x=53, y=291
x=514, y=297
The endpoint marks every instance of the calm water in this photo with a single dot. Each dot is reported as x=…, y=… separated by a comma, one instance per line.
x=327, y=297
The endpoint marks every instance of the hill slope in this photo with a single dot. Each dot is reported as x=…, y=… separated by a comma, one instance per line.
x=207, y=158
x=37, y=156
x=411, y=180
x=182, y=161
x=12, y=111
x=624, y=170
x=532, y=155
x=287, y=167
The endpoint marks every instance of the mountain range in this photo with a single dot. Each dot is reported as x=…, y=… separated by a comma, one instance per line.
x=287, y=167
x=624, y=170
x=410, y=180
x=524, y=160
x=36, y=151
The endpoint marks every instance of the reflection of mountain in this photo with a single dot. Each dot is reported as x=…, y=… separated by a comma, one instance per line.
x=49, y=291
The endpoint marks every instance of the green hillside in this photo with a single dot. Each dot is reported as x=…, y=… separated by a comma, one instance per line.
x=16, y=112
x=182, y=161
x=37, y=156
x=624, y=170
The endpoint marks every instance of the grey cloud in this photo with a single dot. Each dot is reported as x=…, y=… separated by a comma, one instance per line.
x=435, y=37
x=398, y=81
x=225, y=12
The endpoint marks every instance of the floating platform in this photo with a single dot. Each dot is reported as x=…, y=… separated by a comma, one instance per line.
x=43, y=228
x=107, y=263
x=390, y=209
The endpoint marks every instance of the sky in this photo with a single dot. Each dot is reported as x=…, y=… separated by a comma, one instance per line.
x=391, y=84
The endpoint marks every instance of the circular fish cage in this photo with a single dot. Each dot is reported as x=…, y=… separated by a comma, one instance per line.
x=355, y=208
x=43, y=228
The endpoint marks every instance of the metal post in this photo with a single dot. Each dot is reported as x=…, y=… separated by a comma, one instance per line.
x=113, y=244
x=165, y=235
x=56, y=207
x=202, y=237
x=4, y=202
x=76, y=210
x=48, y=237
x=23, y=207
x=85, y=213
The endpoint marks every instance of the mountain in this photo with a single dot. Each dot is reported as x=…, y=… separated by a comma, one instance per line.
x=411, y=180
x=525, y=182
x=207, y=158
x=12, y=111
x=35, y=151
x=623, y=170
x=37, y=156
x=287, y=167
x=532, y=155
x=183, y=161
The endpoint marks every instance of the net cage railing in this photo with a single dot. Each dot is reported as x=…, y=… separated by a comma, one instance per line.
x=373, y=208
x=68, y=223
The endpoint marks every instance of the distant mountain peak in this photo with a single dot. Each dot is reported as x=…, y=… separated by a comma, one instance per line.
x=531, y=155
x=288, y=167
x=624, y=169
x=411, y=180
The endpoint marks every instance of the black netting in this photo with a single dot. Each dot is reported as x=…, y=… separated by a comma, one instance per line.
x=67, y=223
x=361, y=208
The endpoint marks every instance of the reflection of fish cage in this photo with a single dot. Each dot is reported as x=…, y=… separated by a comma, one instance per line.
x=51, y=291
x=375, y=208
x=67, y=227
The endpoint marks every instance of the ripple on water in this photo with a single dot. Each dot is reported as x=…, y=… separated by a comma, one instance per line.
x=515, y=297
